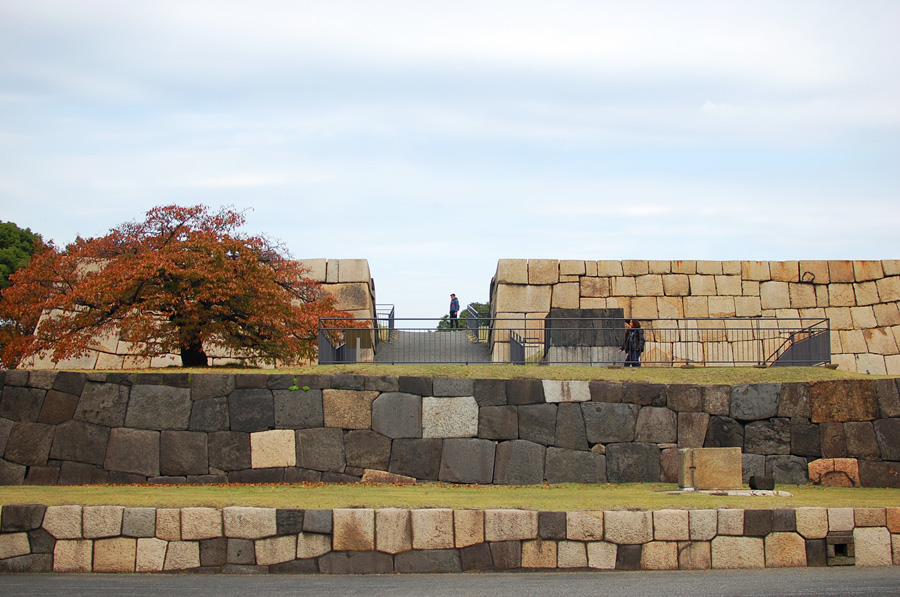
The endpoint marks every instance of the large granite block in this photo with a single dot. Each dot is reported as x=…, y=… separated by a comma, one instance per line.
x=510, y=525
x=787, y=470
x=428, y=562
x=158, y=407
x=656, y=425
x=692, y=428
x=209, y=415
x=453, y=386
x=348, y=409
x=710, y=468
x=367, y=450
x=489, y=392
x=397, y=415
x=768, y=437
x=21, y=404
x=794, y=401
x=251, y=410
x=467, y=461
x=468, y=527
x=80, y=441
x=524, y=391
x=417, y=458
x=833, y=441
x=354, y=529
x=624, y=527
x=842, y=400
x=570, y=429
x=70, y=382
x=449, y=417
x=29, y=443
x=738, y=552
x=63, y=522
x=887, y=434
x=249, y=523
x=499, y=422
x=566, y=391
x=183, y=453
x=229, y=451
x=73, y=556
x=519, y=462
x=273, y=448
x=298, y=409
x=370, y=562
x=211, y=385
x=879, y=474
x=78, y=473
x=584, y=526
x=645, y=394
x=432, y=528
x=393, y=530
x=103, y=404
x=872, y=546
x=133, y=451
x=805, y=440
x=574, y=466
x=634, y=462
x=102, y=521
x=724, y=432
x=861, y=442
x=785, y=550
x=753, y=402
x=115, y=555
x=537, y=423
x=421, y=386
x=57, y=407
x=276, y=550
x=321, y=449
x=21, y=518
x=609, y=422
x=139, y=522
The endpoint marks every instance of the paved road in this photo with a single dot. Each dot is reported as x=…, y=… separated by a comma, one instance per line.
x=432, y=347
x=789, y=582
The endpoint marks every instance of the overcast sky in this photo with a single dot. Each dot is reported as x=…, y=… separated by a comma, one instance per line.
x=434, y=138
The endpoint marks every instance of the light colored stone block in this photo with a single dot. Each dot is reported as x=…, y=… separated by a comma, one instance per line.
x=867, y=270
x=512, y=271
x=468, y=526
x=584, y=526
x=72, y=556
x=814, y=272
x=812, y=522
x=671, y=525
x=602, y=555
x=315, y=269
x=709, y=268
x=696, y=306
x=703, y=524
x=572, y=554
x=200, y=523
x=594, y=287
x=895, y=548
x=803, y=296
x=728, y=286
x=676, y=285
x=866, y=293
x=432, y=528
x=151, y=555
x=710, y=468
x=628, y=528
x=623, y=286
x=273, y=448
x=684, y=267
x=659, y=555
x=634, y=268
x=393, y=530
x=869, y=517
x=510, y=525
x=644, y=307
x=276, y=550
x=863, y=317
x=13, y=545
x=880, y=341
x=565, y=295
x=566, y=391
x=449, y=416
x=168, y=524
x=353, y=270
x=609, y=268
x=543, y=271
x=871, y=364
x=887, y=314
x=840, y=519
x=774, y=295
x=570, y=267
x=738, y=552
x=102, y=521
x=659, y=267
x=893, y=519
x=731, y=522
x=348, y=409
x=841, y=295
x=785, y=271
x=669, y=307
x=312, y=545
x=785, y=550
x=889, y=289
x=649, y=285
x=182, y=555
x=840, y=318
x=354, y=529
x=873, y=546
x=63, y=522
x=539, y=554
x=721, y=306
x=115, y=555
x=139, y=522
x=755, y=270
x=249, y=523
x=523, y=299
x=694, y=555
x=703, y=285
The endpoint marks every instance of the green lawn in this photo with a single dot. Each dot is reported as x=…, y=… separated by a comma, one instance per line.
x=567, y=497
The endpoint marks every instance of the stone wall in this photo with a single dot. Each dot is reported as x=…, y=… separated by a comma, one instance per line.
x=36, y=538
x=348, y=280
x=860, y=298
x=99, y=427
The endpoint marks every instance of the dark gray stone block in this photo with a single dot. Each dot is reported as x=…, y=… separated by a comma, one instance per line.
x=17, y=519
x=382, y=383
x=251, y=381
x=70, y=382
x=321, y=449
x=209, y=415
x=251, y=410
x=609, y=422
x=628, y=557
x=762, y=483
x=498, y=422
x=21, y=404
x=816, y=553
x=768, y=437
x=103, y=404
x=684, y=398
x=758, y=523
x=367, y=449
x=887, y=433
x=211, y=385
x=606, y=391
x=213, y=552
x=79, y=473
x=794, y=401
x=280, y=381
x=133, y=451
x=317, y=521
x=41, y=378
x=421, y=386
x=5, y=429
x=453, y=386
x=35, y=563
x=519, y=462
x=552, y=525
x=692, y=428
x=634, y=462
x=360, y=562
x=298, y=409
x=315, y=381
x=784, y=520
x=490, y=392
x=574, y=466
x=805, y=440
x=170, y=480
x=787, y=470
x=467, y=461
x=183, y=453
x=644, y=394
x=58, y=407
x=834, y=444
x=289, y=521
x=41, y=541
x=240, y=551
x=656, y=425
x=724, y=432
x=173, y=380
x=139, y=522
x=16, y=377
x=29, y=443
x=301, y=475
x=476, y=557
x=752, y=465
x=348, y=381
x=507, y=555
x=717, y=400
x=887, y=395
x=879, y=474
x=754, y=402
x=296, y=567
x=861, y=442
x=42, y=475
x=397, y=415
x=332, y=477
x=570, y=430
x=418, y=458
x=80, y=441
x=244, y=569
x=257, y=475
x=537, y=423
x=428, y=561
x=229, y=450
x=524, y=391
x=158, y=408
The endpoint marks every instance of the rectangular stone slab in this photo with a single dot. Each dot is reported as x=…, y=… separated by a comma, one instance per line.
x=709, y=468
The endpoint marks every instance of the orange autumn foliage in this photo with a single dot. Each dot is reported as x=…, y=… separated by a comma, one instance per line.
x=178, y=282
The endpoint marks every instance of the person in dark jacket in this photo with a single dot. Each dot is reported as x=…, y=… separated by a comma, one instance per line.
x=634, y=343
x=454, y=310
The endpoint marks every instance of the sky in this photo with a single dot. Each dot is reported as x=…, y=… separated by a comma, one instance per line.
x=435, y=138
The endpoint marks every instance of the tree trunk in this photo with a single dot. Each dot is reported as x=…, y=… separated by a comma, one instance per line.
x=193, y=355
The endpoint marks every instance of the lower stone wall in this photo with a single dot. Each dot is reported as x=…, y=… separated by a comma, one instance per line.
x=36, y=538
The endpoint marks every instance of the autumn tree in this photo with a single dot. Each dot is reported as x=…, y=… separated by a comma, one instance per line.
x=180, y=281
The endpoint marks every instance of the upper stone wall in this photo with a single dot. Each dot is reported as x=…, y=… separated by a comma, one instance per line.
x=860, y=298
x=348, y=280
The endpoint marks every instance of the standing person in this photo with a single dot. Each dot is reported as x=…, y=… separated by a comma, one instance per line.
x=634, y=343
x=454, y=310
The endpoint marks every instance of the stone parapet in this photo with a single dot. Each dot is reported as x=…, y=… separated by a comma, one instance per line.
x=366, y=541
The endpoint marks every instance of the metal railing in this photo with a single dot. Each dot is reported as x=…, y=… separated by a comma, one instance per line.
x=561, y=341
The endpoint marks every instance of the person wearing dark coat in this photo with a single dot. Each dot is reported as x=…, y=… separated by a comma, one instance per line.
x=633, y=345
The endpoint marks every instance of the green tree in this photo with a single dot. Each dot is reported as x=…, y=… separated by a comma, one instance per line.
x=16, y=248
x=483, y=310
